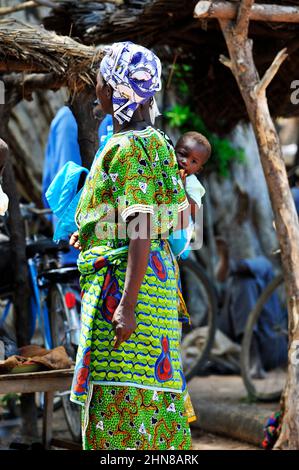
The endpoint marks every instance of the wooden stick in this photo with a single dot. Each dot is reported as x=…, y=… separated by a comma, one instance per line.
x=19, y=7
x=46, y=3
x=259, y=12
x=243, y=17
x=260, y=88
x=225, y=61
x=286, y=219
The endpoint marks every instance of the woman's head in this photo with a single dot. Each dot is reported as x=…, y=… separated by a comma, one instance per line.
x=129, y=76
x=192, y=151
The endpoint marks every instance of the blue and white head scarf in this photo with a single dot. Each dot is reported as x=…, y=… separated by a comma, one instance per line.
x=134, y=73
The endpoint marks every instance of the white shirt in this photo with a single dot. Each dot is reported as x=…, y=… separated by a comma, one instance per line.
x=194, y=189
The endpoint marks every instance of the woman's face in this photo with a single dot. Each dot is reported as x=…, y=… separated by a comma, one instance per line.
x=104, y=95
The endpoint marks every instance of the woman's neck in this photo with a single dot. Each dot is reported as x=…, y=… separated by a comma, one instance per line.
x=136, y=123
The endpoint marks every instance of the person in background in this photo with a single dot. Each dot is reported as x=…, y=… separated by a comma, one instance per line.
x=244, y=281
x=62, y=147
x=105, y=130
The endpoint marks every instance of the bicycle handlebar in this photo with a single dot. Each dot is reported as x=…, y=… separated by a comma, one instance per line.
x=31, y=209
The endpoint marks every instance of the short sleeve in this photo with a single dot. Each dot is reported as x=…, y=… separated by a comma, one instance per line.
x=147, y=180
x=195, y=189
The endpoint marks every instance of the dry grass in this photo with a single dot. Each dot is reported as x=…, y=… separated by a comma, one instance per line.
x=35, y=49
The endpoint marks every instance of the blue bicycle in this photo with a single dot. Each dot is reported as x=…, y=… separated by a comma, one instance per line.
x=55, y=297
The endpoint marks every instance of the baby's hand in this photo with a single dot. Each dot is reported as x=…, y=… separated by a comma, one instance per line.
x=183, y=175
x=74, y=241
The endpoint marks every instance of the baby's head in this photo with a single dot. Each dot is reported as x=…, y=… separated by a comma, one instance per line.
x=192, y=152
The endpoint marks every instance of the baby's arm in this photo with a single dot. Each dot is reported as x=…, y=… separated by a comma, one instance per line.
x=194, y=207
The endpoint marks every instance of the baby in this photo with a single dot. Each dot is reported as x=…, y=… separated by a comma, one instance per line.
x=192, y=151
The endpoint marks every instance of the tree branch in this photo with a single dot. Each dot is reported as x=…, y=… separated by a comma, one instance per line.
x=25, y=5
x=25, y=85
x=260, y=88
x=225, y=61
x=46, y=3
x=258, y=12
x=243, y=18
x=15, y=8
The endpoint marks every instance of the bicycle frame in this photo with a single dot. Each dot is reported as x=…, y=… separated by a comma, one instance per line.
x=38, y=307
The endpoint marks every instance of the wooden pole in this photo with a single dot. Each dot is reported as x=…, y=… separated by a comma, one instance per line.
x=19, y=261
x=259, y=12
x=253, y=91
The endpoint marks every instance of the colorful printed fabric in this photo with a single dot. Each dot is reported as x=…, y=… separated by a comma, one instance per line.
x=272, y=430
x=151, y=357
x=137, y=171
x=129, y=418
x=139, y=167
x=134, y=73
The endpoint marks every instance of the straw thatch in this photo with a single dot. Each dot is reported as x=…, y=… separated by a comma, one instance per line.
x=169, y=26
x=29, y=48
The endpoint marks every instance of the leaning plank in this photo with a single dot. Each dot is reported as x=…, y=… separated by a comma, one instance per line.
x=238, y=421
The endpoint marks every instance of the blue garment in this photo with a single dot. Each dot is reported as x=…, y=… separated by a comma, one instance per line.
x=295, y=194
x=62, y=147
x=63, y=198
x=61, y=187
x=105, y=130
x=180, y=242
x=248, y=278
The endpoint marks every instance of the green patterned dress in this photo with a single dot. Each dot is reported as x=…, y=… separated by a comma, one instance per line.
x=134, y=397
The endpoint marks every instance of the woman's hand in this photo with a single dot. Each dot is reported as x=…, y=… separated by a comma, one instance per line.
x=74, y=241
x=124, y=323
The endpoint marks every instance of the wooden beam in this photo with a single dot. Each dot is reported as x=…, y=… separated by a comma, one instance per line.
x=259, y=12
x=15, y=8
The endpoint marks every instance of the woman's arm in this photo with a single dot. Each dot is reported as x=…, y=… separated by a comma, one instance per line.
x=124, y=320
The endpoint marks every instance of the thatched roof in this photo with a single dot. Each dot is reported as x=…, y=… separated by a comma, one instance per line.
x=169, y=26
x=30, y=48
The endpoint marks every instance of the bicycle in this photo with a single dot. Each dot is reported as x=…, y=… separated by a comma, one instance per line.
x=267, y=385
x=203, y=313
x=54, y=301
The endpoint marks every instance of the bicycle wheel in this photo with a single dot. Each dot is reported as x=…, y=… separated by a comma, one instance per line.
x=61, y=336
x=201, y=301
x=266, y=382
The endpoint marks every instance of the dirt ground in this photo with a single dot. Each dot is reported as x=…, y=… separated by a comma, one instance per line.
x=11, y=433
x=207, y=441
x=227, y=389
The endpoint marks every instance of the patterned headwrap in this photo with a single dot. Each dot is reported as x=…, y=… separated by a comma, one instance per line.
x=134, y=74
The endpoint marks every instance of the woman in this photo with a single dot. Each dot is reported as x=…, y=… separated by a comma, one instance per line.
x=128, y=373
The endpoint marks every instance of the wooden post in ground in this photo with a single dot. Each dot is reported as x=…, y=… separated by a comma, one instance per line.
x=253, y=91
x=19, y=261
x=82, y=107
